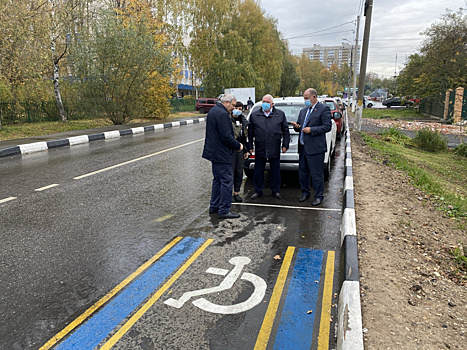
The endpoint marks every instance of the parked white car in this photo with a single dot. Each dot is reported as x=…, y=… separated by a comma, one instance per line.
x=291, y=106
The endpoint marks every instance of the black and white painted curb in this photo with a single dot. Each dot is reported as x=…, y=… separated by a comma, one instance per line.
x=349, y=327
x=77, y=140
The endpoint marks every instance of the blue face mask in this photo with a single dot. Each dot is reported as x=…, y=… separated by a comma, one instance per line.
x=236, y=112
x=308, y=103
x=266, y=106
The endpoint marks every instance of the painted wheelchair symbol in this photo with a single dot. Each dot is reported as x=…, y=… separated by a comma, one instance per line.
x=227, y=283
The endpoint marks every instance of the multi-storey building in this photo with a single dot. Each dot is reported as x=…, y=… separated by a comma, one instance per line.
x=329, y=55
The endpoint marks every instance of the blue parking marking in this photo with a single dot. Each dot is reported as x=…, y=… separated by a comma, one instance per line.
x=296, y=323
x=96, y=329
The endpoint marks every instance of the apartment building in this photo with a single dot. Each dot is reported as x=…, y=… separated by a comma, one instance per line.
x=329, y=55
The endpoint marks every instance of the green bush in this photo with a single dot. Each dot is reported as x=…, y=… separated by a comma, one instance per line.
x=430, y=141
x=395, y=136
x=461, y=150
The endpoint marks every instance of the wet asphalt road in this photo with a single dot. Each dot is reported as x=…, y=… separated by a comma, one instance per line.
x=64, y=247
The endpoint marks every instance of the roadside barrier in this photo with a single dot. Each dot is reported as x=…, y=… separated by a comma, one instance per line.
x=349, y=327
x=76, y=140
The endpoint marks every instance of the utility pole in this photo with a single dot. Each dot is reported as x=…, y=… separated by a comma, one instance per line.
x=355, y=57
x=366, y=41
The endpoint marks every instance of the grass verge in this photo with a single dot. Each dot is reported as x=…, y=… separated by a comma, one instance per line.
x=408, y=114
x=442, y=175
x=18, y=131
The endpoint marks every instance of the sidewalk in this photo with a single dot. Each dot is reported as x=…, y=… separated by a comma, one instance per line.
x=71, y=138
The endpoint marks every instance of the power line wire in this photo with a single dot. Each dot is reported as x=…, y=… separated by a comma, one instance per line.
x=319, y=31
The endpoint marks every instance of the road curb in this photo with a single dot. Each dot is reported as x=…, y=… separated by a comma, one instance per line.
x=349, y=327
x=33, y=147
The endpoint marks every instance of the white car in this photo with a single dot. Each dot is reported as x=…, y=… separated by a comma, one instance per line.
x=291, y=106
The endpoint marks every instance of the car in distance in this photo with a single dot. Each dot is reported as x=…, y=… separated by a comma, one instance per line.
x=291, y=106
x=203, y=105
x=397, y=101
x=334, y=107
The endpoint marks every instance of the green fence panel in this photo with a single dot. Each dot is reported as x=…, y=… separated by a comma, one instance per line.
x=182, y=105
x=464, y=106
x=433, y=105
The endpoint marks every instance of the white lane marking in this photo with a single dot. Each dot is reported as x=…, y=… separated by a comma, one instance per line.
x=46, y=187
x=134, y=160
x=4, y=200
x=255, y=298
x=285, y=206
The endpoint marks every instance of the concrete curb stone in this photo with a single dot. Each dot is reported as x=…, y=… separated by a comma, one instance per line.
x=349, y=327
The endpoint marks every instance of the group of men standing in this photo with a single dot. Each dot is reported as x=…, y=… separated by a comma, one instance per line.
x=268, y=132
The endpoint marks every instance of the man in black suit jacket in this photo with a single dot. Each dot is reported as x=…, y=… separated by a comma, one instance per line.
x=219, y=146
x=314, y=121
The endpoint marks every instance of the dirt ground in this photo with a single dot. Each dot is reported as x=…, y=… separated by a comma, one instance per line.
x=411, y=295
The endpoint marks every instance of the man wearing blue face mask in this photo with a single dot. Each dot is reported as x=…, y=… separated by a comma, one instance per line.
x=313, y=122
x=239, y=124
x=267, y=130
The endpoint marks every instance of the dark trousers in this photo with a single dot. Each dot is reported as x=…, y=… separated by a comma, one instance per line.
x=311, y=165
x=237, y=166
x=221, y=195
x=275, y=169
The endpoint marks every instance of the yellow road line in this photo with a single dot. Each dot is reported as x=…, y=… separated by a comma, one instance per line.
x=134, y=160
x=325, y=323
x=108, y=296
x=121, y=332
x=265, y=331
x=163, y=218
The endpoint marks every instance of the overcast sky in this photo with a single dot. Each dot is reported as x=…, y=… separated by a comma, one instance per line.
x=395, y=26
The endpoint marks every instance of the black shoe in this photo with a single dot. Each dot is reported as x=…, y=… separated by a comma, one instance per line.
x=213, y=211
x=277, y=195
x=237, y=198
x=304, y=197
x=317, y=201
x=229, y=215
x=256, y=195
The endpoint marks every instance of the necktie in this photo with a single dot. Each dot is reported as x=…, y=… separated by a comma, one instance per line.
x=304, y=123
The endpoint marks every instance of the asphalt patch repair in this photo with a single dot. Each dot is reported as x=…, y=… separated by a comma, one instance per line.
x=411, y=295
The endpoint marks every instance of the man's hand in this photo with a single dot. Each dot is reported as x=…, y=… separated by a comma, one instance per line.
x=295, y=125
x=251, y=151
x=306, y=130
x=241, y=147
x=245, y=156
x=284, y=149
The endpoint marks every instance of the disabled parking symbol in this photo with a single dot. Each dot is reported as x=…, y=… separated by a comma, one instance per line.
x=228, y=282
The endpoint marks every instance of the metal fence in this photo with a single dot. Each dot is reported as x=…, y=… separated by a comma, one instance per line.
x=182, y=105
x=433, y=105
x=32, y=112
x=28, y=112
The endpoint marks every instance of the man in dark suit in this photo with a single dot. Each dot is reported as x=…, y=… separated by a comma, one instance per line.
x=219, y=146
x=314, y=121
x=268, y=128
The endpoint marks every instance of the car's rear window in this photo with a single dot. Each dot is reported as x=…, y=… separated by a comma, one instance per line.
x=330, y=104
x=291, y=111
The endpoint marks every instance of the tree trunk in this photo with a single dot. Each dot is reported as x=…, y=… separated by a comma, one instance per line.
x=58, y=96
x=56, y=69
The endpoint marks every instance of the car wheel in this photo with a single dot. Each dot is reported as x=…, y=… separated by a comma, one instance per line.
x=388, y=105
x=327, y=170
x=202, y=111
x=369, y=105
